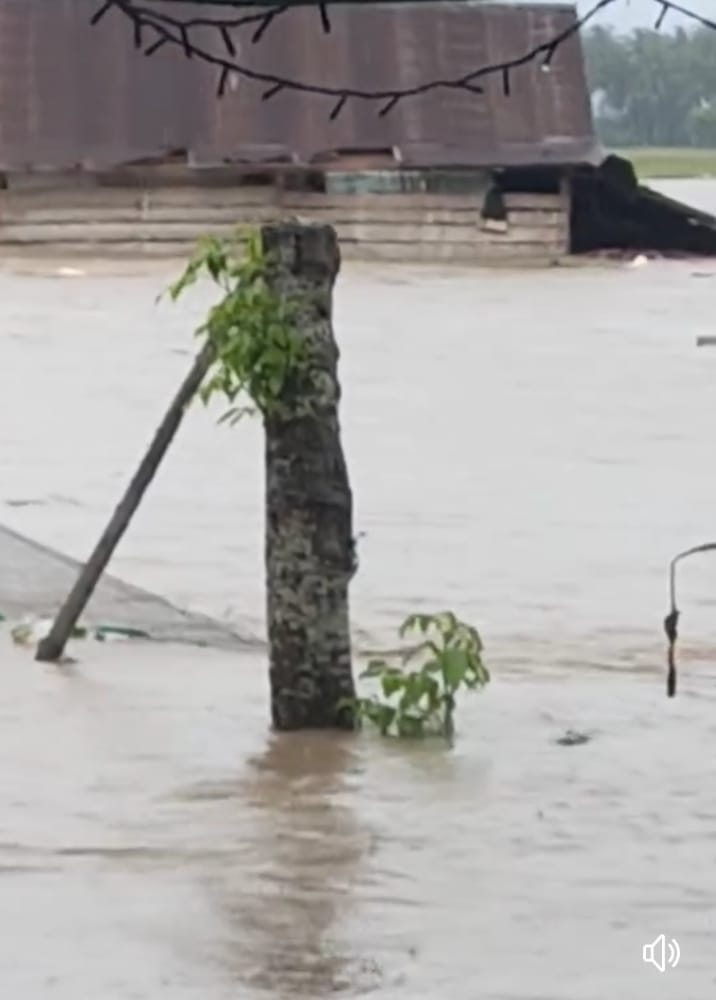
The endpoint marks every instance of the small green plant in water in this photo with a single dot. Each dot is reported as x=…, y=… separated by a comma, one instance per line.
x=256, y=350
x=421, y=701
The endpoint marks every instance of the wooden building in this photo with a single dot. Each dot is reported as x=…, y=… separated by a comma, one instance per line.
x=106, y=148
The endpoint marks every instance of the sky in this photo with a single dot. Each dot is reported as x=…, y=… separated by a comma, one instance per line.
x=624, y=15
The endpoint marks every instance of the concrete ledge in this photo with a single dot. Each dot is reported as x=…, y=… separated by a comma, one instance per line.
x=34, y=580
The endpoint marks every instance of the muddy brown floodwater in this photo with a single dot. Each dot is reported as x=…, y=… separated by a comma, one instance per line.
x=529, y=449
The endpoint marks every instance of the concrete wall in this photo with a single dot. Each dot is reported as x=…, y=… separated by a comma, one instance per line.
x=168, y=219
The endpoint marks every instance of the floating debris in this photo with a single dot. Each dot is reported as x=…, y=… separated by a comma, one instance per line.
x=31, y=631
x=62, y=499
x=70, y=272
x=24, y=503
x=104, y=632
x=572, y=738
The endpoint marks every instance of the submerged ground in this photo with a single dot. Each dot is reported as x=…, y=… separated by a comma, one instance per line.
x=156, y=840
x=529, y=449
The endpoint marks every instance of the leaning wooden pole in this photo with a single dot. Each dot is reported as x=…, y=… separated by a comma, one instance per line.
x=52, y=646
x=309, y=548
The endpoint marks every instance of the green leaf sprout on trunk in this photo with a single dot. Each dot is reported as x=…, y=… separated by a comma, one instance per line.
x=421, y=701
x=256, y=351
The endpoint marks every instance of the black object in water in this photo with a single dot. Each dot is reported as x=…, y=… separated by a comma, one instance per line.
x=672, y=619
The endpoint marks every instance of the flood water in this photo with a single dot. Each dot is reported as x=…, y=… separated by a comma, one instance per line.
x=527, y=448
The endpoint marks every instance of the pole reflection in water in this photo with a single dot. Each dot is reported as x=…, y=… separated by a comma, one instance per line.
x=306, y=848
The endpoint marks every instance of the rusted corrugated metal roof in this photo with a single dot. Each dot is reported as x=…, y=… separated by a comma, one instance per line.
x=71, y=93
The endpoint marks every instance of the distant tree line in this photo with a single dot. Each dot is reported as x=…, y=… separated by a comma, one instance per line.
x=653, y=88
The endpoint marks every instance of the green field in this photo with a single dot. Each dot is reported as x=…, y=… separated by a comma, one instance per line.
x=652, y=163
